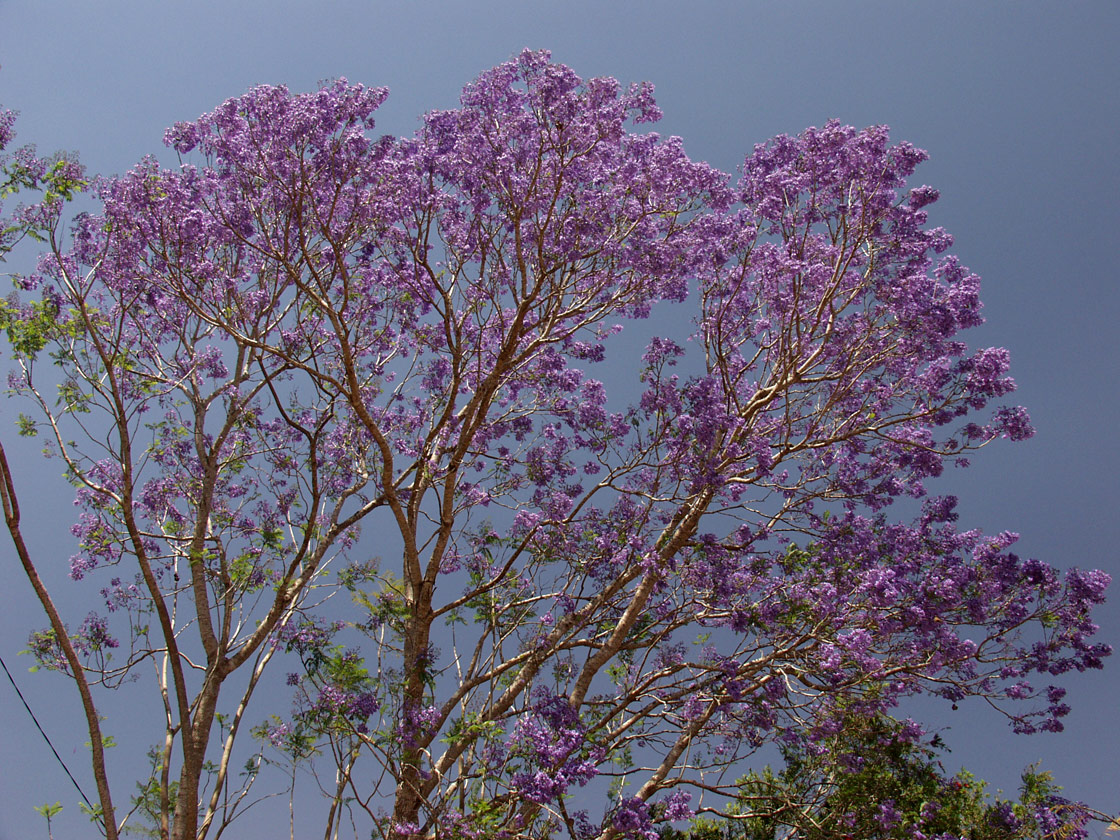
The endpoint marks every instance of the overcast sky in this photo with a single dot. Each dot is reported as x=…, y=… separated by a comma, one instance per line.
x=1017, y=103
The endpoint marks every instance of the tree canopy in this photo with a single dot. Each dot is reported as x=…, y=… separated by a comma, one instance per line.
x=308, y=361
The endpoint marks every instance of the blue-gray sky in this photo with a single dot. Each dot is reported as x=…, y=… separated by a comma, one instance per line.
x=1017, y=103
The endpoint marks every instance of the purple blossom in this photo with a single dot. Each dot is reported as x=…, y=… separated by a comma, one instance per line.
x=555, y=751
x=93, y=635
x=888, y=816
x=631, y=818
x=676, y=806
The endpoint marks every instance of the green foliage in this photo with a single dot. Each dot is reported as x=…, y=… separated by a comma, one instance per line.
x=387, y=605
x=876, y=780
x=298, y=743
x=472, y=727
x=49, y=811
x=107, y=743
x=148, y=802
x=61, y=183
x=243, y=573
x=30, y=330
x=57, y=180
x=45, y=647
x=94, y=813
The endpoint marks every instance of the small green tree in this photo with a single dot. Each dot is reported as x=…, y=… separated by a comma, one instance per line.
x=879, y=779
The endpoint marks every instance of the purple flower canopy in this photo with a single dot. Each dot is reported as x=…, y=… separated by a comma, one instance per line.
x=304, y=329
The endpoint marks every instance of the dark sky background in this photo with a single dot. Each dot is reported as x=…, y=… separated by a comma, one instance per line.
x=1018, y=104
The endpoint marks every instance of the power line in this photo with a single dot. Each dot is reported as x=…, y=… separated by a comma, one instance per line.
x=44, y=734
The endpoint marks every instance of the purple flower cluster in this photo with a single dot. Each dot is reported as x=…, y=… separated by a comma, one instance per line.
x=55, y=180
x=335, y=703
x=632, y=820
x=93, y=635
x=308, y=636
x=554, y=750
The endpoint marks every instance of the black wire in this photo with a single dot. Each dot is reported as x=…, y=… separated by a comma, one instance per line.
x=44, y=734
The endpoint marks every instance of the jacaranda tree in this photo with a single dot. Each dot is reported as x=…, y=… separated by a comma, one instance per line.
x=577, y=606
